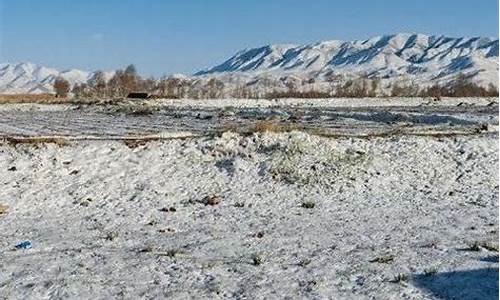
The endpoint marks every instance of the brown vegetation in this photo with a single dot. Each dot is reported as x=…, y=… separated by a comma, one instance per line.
x=62, y=87
x=133, y=143
x=296, y=94
x=30, y=98
x=3, y=209
x=462, y=87
x=126, y=81
x=37, y=141
x=261, y=127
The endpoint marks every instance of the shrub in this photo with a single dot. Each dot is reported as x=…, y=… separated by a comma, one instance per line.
x=62, y=87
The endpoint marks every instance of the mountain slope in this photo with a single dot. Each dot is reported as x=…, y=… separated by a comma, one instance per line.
x=417, y=57
x=400, y=58
x=34, y=79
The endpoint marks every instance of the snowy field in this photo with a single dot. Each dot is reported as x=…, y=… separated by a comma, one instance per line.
x=327, y=117
x=328, y=210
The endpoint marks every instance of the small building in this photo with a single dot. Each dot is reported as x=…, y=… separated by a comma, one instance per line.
x=139, y=95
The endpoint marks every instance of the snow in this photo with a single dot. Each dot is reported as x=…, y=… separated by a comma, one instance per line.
x=107, y=221
x=29, y=78
x=388, y=57
x=417, y=58
x=333, y=117
x=411, y=214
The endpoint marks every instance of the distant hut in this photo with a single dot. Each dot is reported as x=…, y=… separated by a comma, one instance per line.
x=139, y=95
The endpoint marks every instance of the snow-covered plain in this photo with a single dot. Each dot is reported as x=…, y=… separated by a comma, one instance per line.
x=249, y=216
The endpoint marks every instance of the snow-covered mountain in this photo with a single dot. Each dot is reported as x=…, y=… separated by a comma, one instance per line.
x=400, y=58
x=34, y=79
x=417, y=58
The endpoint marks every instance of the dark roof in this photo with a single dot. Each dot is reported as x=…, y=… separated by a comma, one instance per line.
x=138, y=95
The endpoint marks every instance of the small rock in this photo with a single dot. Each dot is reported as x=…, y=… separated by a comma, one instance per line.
x=211, y=200
x=168, y=209
x=259, y=235
x=308, y=205
x=3, y=209
x=13, y=168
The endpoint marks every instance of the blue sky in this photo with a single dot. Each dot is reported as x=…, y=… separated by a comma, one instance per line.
x=171, y=36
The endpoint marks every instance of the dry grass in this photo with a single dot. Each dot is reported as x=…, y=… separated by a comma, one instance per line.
x=478, y=245
x=3, y=209
x=490, y=246
x=31, y=98
x=260, y=127
x=211, y=200
x=269, y=126
x=52, y=99
x=133, y=143
x=37, y=141
x=384, y=259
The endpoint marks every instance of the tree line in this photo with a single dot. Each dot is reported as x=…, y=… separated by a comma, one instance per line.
x=128, y=80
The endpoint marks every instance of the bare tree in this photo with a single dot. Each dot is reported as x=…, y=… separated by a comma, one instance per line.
x=80, y=90
x=115, y=85
x=214, y=88
x=98, y=84
x=62, y=87
x=492, y=90
x=131, y=70
x=374, y=87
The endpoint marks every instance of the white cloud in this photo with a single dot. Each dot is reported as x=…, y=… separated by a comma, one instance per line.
x=98, y=36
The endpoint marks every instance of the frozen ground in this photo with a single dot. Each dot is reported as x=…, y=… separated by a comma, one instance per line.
x=328, y=117
x=264, y=215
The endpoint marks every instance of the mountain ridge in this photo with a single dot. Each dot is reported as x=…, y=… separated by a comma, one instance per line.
x=396, y=50
x=30, y=78
x=403, y=57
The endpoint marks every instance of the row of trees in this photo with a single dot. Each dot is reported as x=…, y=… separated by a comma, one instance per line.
x=128, y=80
x=362, y=88
x=122, y=83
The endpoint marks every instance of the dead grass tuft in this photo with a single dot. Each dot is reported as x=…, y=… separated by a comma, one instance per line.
x=133, y=143
x=31, y=98
x=490, y=246
x=479, y=245
x=257, y=259
x=384, y=259
x=400, y=277
x=430, y=271
x=38, y=141
x=3, y=209
x=270, y=126
x=211, y=200
x=260, y=127
x=52, y=99
x=142, y=111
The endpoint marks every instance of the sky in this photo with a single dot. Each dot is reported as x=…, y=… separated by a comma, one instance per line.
x=163, y=37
